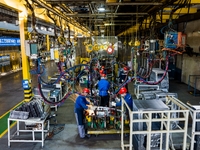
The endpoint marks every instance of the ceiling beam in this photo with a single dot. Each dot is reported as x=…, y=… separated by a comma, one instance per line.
x=73, y=1
x=104, y=14
x=135, y=3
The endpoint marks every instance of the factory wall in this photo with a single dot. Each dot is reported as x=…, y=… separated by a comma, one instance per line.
x=190, y=65
x=14, y=60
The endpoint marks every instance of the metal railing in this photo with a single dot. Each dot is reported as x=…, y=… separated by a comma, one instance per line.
x=165, y=130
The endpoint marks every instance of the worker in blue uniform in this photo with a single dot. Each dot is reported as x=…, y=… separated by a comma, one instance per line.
x=81, y=105
x=127, y=97
x=103, y=87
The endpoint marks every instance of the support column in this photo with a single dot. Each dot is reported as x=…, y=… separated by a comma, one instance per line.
x=48, y=57
x=48, y=42
x=23, y=24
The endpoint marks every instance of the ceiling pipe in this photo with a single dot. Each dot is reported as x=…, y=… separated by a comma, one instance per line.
x=90, y=6
x=117, y=7
x=65, y=8
x=104, y=14
x=56, y=12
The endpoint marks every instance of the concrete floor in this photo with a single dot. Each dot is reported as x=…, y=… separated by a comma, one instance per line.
x=11, y=93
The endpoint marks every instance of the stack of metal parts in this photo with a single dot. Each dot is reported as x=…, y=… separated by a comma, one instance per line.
x=157, y=95
x=161, y=95
x=150, y=95
x=34, y=107
x=139, y=140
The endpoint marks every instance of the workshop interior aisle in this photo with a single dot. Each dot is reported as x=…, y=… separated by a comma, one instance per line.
x=64, y=133
x=67, y=138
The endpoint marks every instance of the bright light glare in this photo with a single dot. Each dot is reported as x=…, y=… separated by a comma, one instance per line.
x=101, y=9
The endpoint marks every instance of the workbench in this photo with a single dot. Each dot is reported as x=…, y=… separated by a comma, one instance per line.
x=21, y=123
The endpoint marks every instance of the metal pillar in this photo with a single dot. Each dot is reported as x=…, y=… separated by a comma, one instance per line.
x=48, y=43
x=23, y=24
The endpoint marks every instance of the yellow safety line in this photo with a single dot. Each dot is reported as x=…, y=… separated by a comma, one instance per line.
x=1, y=135
x=10, y=109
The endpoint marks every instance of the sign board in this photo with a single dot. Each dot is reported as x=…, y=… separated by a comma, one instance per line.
x=25, y=84
x=9, y=41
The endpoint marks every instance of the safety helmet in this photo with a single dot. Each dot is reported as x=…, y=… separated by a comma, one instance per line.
x=126, y=68
x=102, y=67
x=122, y=90
x=86, y=90
x=101, y=71
x=96, y=68
x=103, y=75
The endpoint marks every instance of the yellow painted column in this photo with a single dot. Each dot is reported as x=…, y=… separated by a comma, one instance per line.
x=23, y=24
x=48, y=42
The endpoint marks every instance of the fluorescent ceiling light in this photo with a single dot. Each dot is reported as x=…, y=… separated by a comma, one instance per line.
x=79, y=36
x=101, y=9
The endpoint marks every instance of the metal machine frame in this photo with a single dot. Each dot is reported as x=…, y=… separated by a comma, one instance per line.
x=165, y=119
x=195, y=116
x=143, y=87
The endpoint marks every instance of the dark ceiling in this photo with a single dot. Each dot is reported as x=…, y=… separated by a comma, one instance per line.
x=117, y=16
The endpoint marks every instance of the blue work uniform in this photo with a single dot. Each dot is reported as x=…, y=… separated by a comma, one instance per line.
x=79, y=107
x=103, y=86
x=129, y=101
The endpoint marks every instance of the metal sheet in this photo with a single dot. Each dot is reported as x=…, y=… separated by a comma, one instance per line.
x=150, y=105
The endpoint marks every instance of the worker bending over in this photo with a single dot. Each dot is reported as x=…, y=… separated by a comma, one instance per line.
x=103, y=86
x=81, y=105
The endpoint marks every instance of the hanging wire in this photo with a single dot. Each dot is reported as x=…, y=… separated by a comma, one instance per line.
x=136, y=21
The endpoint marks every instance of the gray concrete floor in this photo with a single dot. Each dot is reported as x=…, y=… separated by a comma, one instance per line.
x=11, y=93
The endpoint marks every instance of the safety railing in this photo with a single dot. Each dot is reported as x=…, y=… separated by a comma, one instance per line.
x=142, y=127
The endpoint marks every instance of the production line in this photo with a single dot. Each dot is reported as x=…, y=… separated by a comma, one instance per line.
x=102, y=85
x=152, y=98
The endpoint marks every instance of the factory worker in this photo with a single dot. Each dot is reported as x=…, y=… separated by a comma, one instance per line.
x=102, y=70
x=81, y=105
x=123, y=76
x=103, y=87
x=127, y=97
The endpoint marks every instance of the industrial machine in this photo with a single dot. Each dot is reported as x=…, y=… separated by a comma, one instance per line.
x=158, y=74
x=105, y=120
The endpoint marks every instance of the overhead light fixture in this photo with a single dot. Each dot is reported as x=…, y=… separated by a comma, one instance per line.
x=109, y=24
x=79, y=36
x=101, y=9
x=49, y=29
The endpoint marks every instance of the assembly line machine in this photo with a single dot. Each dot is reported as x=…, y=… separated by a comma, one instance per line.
x=158, y=116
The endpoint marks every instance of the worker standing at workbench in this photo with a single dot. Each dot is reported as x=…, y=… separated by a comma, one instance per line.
x=81, y=105
x=127, y=97
x=103, y=86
